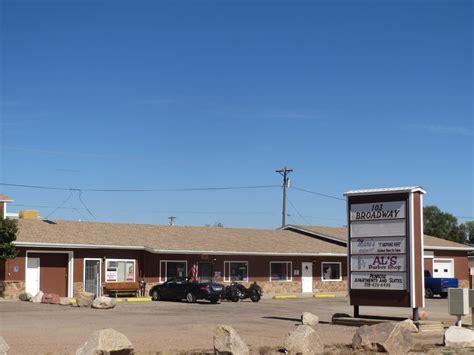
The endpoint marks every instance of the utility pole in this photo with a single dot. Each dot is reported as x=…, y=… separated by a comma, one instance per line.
x=284, y=172
x=171, y=218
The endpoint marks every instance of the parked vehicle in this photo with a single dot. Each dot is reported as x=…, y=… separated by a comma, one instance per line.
x=236, y=291
x=438, y=286
x=180, y=288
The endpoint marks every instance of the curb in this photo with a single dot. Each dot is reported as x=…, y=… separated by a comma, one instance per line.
x=316, y=295
x=140, y=299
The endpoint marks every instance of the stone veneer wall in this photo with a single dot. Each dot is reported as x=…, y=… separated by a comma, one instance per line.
x=77, y=287
x=329, y=286
x=11, y=289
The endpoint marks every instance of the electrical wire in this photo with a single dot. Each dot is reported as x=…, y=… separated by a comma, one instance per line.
x=318, y=193
x=141, y=190
x=298, y=212
x=60, y=205
x=88, y=210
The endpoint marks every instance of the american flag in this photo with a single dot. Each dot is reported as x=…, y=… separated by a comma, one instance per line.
x=194, y=271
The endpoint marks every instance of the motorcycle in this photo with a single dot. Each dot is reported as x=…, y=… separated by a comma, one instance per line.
x=235, y=292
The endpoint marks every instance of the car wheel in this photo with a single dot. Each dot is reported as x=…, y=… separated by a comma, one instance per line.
x=155, y=296
x=443, y=295
x=428, y=292
x=190, y=298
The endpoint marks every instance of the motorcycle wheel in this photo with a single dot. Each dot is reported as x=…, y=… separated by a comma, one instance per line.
x=255, y=297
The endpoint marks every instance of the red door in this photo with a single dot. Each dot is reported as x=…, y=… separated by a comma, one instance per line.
x=53, y=272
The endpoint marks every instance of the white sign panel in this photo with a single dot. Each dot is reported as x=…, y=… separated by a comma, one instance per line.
x=378, y=281
x=378, y=263
x=393, y=245
x=111, y=275
x=378, y=211
x=390, y=228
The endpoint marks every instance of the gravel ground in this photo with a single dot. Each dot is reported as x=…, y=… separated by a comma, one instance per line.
x=161, y=326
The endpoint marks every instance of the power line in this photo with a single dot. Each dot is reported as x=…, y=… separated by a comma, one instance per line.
x=298, y=212
x=60, y=205
x=140, y=190
x=319, y=194
x=82, y=202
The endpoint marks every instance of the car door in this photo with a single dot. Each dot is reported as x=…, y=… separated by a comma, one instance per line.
x=166, y=290
x=181, y=287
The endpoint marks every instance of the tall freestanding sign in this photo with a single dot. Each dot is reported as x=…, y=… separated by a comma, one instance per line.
x=385, y=249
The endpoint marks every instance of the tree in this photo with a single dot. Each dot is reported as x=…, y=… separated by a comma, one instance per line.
x=8, y=230
x=442, y=225
x=468, y=228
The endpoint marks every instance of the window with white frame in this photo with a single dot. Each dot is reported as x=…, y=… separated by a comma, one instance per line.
x=280, y=270
x=120, y=270
x=173, y=268
x=331, y=271
x=236, y=271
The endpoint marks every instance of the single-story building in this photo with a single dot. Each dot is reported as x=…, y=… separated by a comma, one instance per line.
x=65, y=257
x=443, y=258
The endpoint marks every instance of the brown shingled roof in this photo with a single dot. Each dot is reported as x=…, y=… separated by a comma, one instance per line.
x=340, y=233
x=173, y=238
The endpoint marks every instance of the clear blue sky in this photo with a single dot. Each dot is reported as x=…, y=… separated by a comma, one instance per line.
x=166, y=94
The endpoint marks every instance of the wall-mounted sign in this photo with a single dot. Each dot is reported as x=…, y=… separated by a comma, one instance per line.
x=16, y=268
x=378, y=281
x=392, y=245
x=385, y=253
x=378, y=262
x=377, y=211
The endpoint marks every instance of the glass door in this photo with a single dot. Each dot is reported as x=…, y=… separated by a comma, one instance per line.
x=205, y=272
x=92, y=276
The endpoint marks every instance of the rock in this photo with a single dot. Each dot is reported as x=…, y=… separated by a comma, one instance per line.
x=409, y=325
x=50, y=298
x=104, y=303
x=65, y=301
x=304, y=340
x=84, y=299
x=37, y=298
x=309, y=318
x=25, y=296
x=106, y=341
x=3, y=346
x=458, y=337
x=388, y=336
x=227, y=340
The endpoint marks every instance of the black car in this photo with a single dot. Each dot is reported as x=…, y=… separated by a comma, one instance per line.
x=180, y=288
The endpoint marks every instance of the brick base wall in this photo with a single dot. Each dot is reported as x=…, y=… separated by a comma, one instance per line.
x=463, y=283
x=11, y=289
x=77, y=287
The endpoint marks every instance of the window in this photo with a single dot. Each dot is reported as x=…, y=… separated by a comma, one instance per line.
x=236, y=271
x=120, y=270
x=331, y=271
x=280, y=270
x=173, y=268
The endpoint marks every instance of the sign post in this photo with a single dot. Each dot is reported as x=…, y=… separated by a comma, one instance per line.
x=385, y=254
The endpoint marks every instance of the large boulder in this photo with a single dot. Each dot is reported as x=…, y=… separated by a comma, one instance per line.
x=103, y=302
x=409, y=325
x=3, y=346
x=458, y=337
x=65, y=301
x=389, y=337
x=25, y=296
x=50, y=298
x=84, y=299
x=37, y=298
x=304, y=340
x=105, y=342
x=227, y=340
x=308, y=318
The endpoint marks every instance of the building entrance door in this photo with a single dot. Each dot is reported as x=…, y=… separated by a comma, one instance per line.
x=32, y=276
x=92, y=276
x=307, y=277
x=205, y=271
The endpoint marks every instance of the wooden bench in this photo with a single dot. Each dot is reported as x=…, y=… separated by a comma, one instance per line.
x=122, y=288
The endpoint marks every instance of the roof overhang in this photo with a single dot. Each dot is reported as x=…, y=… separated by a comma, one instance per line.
x=388, y=190
x=168, y=251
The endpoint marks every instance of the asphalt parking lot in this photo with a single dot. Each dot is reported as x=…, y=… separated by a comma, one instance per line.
x=160, y=326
